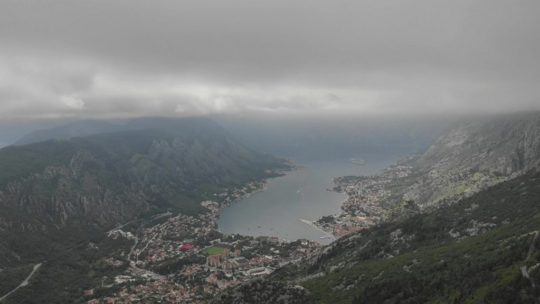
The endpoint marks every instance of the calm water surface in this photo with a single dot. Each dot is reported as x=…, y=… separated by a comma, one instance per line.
x=301, y=194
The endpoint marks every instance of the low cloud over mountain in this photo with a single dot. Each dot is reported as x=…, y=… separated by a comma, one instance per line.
x=133, y=58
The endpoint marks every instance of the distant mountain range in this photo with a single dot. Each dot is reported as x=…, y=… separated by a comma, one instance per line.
x=322, y=139
x=70, y=130
x=61, y=193
x=300, y=138
x=475, y=241
x=82, y=128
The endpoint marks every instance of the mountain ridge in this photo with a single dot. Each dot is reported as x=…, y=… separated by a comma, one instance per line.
x=188, y=159
x=60, y=196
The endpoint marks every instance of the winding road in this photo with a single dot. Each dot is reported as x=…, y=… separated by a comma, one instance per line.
x=23, y=283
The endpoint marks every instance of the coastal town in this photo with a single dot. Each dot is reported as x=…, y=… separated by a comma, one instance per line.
x=365, y=195
x=185, y=259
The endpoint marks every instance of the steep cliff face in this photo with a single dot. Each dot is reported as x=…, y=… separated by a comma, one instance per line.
x=474, y=155
x=70, y=193
x=504, y=145
x=89, y=184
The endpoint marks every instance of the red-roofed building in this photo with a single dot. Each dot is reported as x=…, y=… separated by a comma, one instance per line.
x=186, y=247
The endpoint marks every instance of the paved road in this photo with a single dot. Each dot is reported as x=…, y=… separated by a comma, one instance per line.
x=23, y=283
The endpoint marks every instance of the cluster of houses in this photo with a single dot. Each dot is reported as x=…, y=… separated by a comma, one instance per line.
x=209, y=261
x=363, y=207
x=232, y=263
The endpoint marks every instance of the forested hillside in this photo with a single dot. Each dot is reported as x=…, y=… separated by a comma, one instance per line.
x=57, y=196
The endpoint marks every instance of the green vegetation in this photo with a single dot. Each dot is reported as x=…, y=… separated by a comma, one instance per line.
x=19, y=163
x=69, y=264
x=11, y=278
x=214, y=250
x=63, y=195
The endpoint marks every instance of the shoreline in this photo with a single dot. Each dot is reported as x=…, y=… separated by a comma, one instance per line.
x=261, y=185
x=312, y=224
x=203, y=272
x=362, y=208
x=316, y=233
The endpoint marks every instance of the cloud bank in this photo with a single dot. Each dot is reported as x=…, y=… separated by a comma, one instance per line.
x=133, y=58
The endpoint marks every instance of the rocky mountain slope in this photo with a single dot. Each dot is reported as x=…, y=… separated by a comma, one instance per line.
x=483, y=249
x=475, y=154
x=471, y=156
x=476, y=240
x=57, y=196
x=112, y=177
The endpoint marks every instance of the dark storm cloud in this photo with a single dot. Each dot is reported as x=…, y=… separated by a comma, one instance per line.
x=121, y=58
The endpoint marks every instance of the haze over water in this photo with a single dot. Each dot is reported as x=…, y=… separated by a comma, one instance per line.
x=301, y=194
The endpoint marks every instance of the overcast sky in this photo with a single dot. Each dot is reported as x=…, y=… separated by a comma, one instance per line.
x=131, y=58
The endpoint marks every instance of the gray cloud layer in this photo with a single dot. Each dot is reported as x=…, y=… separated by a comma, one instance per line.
x=129, y=58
